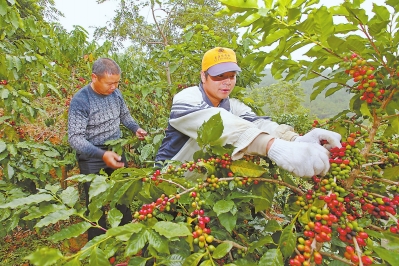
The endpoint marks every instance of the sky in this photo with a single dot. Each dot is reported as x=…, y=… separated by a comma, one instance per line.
x=85, y=13
x=89, y=14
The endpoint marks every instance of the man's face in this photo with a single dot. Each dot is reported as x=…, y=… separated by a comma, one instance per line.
x=106, y=84
x=218, y=87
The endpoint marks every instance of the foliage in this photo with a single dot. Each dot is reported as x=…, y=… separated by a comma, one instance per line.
x=215, y=211
x=280, y=98
x=164, y=22
x=321, y=107
x=359, y=59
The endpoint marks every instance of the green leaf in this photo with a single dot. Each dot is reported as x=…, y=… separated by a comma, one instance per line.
x=323, y=23
x=392, y=240
x=54, y=217
x=387, y=255
x=172, y=260
x=241, y=3
x=138, y=261
x=266, y=191
x=98, y=186
x=4, y=94
x=288, y=241
x=136, y=243
x=37, y=198
x=272, y=226
x=275, y=36
x=223, y=206
x=159, y=243
x=45, y=256
x=3, y=7
x=246, y=169
x=52, y=153
x=74, y=262
x=193, y=259
x=42, y=210
x=114, y=217
x=98, y=258
x=222, y=249
x=228, y=220
x=272, y=257
x=130, y=228
x=250, y=20
x=210, y=131
x=71, y=231
x=69, y=196
x=391, y=173
x=10, y=172
x=261, y=243
x=146, y=152
x=14, y=19
x=3, y=146
x=364, y=109
x=171, y=230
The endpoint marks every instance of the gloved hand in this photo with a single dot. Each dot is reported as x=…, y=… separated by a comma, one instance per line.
x=317, y=135
x=300, y=158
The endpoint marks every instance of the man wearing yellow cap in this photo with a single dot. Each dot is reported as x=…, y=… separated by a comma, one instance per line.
x=249, y=133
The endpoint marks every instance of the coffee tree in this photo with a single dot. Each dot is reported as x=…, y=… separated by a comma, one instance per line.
x=215, y=211
x=359, y=50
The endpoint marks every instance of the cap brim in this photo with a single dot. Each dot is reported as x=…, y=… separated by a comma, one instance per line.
x=223, y=68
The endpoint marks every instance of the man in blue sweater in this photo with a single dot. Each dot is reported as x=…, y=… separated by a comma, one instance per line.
x=95, y=114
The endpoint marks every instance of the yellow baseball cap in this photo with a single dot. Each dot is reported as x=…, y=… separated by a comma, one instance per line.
x=219, y=60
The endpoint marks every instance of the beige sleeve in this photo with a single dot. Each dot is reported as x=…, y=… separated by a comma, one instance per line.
x=258, y=145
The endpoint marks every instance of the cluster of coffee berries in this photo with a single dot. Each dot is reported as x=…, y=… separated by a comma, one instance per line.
x=343, y=159
x=353, y=257
x=219, y=162
x=3, y=82
x=154, y=178
x=364, y=77
x=21, y=132
x=334, y=203
x=201, y=233
x=380, y=208
x=213, y=183
x=394, y=228
x=149, y=210
x=306, y=253
x=315, y=123
x=350, y=231
x=252, y=158
x=68, y=101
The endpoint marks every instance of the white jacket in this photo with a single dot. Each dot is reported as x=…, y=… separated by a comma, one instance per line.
x=191, y=108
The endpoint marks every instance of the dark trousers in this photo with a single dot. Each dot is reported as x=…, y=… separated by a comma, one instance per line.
x=93, y=166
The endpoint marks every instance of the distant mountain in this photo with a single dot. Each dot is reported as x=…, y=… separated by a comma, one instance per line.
x=322, y=107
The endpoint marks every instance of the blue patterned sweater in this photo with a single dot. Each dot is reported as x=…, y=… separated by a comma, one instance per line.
x=94, y=119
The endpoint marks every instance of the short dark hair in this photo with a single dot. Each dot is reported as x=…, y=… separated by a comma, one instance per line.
x=104, y=66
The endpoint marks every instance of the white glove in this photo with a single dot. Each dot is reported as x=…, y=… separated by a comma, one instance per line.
x=300, y=158
x=317, y=135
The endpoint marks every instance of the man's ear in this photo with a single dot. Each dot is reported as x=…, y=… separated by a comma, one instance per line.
x=203, y=77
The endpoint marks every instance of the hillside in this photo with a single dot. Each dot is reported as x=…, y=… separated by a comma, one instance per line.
x=321, y=107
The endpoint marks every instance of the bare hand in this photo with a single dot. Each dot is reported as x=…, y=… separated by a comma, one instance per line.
x=141, y=133
x=113, y=160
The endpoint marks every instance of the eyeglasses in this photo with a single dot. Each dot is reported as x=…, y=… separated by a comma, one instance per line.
x=223, y=76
